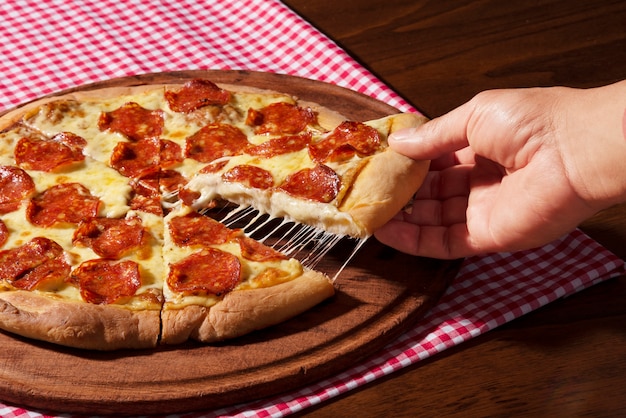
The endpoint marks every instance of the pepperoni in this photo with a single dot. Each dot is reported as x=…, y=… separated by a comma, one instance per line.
x=111, y=238
x=69, y=202
x=48, y=154
x=254, y=250
x=282, y=145
x=196, y=229
x=146, y=196
x=144, y=157
x=280, y=118
x=15, y=186
x=106, y=281
x=320, y=184
x=196, y=94
x=213, y=167
x=171, y=181
x=188, y=197
x=39, y=261
x=344, y=141
x=250, y=176
x=215, y=141
x=170, y=153
x=209, y=271
x=136, y=159
x=4, y=233
x=133, y=121
x=51, y=271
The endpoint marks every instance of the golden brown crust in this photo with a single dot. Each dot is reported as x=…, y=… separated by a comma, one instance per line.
x=327, y=118
x=12, y=116
x=76, y=324
x=241, y=312
x=386, y=183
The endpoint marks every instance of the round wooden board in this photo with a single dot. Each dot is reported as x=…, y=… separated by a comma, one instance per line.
x=379, y=295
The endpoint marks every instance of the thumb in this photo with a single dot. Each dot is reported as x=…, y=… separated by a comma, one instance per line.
x=437, y=137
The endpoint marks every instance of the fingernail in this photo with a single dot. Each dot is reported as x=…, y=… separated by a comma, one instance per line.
x=403, y=134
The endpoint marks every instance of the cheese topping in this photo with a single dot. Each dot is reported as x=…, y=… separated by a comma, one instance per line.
x=250, y=269
x=82, y=117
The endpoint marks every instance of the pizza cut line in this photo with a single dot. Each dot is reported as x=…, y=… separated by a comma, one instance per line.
x=104, y=243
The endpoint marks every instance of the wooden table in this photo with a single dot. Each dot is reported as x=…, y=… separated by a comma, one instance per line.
x=568, y=358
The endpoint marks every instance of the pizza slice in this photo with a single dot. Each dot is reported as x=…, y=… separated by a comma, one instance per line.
x=293, y=159
x=221, y=284
x=76, y=267
x=345, y=181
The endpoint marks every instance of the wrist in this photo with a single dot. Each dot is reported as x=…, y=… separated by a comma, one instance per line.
x=596, y=137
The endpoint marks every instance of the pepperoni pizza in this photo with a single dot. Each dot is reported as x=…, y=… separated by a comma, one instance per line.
x=104, y=240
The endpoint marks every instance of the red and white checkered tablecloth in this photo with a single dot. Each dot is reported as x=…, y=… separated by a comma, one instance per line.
x=46, y=46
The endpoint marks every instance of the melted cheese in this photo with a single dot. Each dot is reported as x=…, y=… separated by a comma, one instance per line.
x=275, y=203
x=244, y=101
x=250, y=270
x=102, y=181
x=151, y=267
x=113, y=190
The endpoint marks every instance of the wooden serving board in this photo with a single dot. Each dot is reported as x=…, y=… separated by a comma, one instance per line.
x=379, y=295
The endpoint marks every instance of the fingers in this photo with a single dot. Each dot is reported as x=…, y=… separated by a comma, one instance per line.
x=482, y=124
x=463, y=156
x=439, y=207
x=427, y=241
x=435, y=138
x=434, y=226
x=442, y=199
x=444, y=184
x=436, y=212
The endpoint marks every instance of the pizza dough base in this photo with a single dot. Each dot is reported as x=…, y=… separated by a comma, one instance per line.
x=241, y=312
x=78, y=324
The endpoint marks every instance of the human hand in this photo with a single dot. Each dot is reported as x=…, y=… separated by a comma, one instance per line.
x=512, y=170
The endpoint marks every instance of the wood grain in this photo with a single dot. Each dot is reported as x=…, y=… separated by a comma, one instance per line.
x=566, y=359
x=379, y=294
x=439, y=54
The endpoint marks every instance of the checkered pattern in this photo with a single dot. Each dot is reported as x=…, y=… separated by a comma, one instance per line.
x=46, y=46
x=56, y=44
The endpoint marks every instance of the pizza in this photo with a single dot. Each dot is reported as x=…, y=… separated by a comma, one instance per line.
x=107, y=233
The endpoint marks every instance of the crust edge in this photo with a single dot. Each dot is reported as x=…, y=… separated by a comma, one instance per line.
x=79, y=325
x=239, y=313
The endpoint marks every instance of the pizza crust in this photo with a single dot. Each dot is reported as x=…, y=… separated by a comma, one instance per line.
x=244, y=311
x=12, y=116
x=386, y=183
x=77, y=324
x=327, y=118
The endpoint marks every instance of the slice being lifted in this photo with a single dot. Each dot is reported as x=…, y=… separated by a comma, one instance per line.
x=345, y=180
x=102, y=244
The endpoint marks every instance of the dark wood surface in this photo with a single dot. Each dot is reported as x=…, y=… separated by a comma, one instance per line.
x=568, y=358
x=378, y=296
